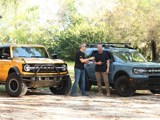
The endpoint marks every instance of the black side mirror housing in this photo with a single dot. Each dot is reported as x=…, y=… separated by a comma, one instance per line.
x=54, y=56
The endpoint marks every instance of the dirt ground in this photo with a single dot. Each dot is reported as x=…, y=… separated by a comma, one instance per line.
x=42, y=105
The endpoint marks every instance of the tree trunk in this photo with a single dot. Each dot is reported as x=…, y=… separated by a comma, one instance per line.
x=154, y=54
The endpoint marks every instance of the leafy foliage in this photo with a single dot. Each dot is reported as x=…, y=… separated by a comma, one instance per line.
x=137, y=22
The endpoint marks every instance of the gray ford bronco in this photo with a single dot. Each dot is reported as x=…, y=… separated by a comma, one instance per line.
x=129, y=70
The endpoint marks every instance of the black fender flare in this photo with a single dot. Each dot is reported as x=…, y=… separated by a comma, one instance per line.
x=14, y=69
x=120, y=73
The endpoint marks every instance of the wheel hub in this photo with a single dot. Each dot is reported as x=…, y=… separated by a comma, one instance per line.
x=124, y=87
x=13, y=85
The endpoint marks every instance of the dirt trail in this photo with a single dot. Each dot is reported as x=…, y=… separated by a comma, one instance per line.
x=42, y=105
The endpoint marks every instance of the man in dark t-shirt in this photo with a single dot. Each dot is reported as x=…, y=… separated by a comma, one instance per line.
x=102, y=65
x=79, y=72
x=78, y=63
x=102, y=57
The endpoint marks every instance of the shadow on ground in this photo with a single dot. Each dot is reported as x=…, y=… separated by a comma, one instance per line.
x=93, y=92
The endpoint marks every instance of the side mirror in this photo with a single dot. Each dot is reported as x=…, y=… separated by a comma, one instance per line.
x=54, y=56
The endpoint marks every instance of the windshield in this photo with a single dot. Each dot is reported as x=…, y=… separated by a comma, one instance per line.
x=30, y=52
x=128, y=57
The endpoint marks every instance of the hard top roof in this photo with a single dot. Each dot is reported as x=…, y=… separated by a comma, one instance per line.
x=20, y=45
x=111, y=49
x=121, y=47
x=111, y=46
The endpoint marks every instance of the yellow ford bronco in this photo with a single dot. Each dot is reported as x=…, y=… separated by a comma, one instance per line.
x=24, y=67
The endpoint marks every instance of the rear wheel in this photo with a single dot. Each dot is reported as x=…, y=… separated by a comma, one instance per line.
x=155, y=91
x=15, y=86
x=63, y=88
x=123, y=88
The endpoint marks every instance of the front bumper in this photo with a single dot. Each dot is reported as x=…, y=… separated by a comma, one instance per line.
x=149, y=83
x=39, y=77
x=42, y=76
x=33, y=81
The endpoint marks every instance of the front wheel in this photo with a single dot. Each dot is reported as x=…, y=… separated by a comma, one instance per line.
x=155, y=91
x=15, y=86
x=123, y=88
x=63, y=88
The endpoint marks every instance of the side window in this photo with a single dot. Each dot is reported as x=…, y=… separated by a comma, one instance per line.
x=4, y=53
x=93, y=53
x=108, y=53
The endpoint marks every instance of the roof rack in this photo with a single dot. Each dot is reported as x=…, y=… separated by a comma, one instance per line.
x=108, y=45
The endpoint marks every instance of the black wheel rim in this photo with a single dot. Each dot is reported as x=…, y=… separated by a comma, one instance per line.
x=60, y=86
x=124, y=87
x=13, y=85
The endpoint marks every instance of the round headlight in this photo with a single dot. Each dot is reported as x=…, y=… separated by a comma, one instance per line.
x=64, y=67
x=139, y=70
x=27, y=68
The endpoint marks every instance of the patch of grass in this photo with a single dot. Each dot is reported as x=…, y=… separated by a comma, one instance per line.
x=2, y=89
x=71, y=69
x=70, y=63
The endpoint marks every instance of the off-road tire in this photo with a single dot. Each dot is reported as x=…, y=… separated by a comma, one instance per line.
x=63, y=88
x=155, y=91
x=15, y=87
x=123, y=88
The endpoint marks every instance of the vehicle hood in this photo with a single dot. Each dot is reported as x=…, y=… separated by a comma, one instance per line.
x=39, y=60
x=146, y=64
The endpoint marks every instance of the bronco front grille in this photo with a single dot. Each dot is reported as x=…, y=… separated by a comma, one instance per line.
x=153, y=70
x=154, y=77
x=43, y=68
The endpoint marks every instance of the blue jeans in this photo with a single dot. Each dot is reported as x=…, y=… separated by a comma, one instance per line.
x=79, y=75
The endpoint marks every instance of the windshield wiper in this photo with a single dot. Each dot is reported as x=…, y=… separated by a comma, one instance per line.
x=22, y=56
x=36, y=56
